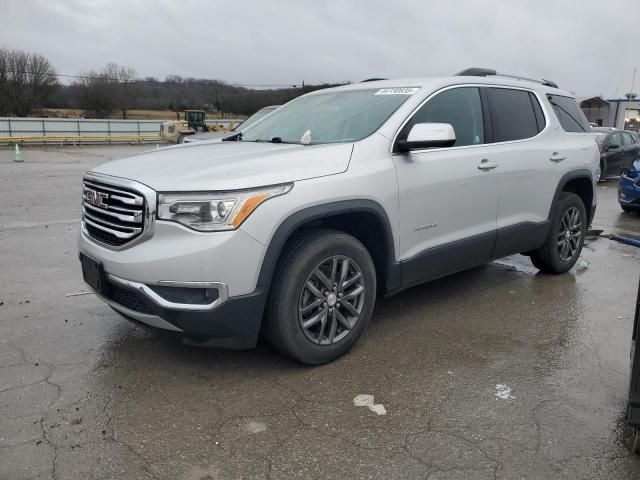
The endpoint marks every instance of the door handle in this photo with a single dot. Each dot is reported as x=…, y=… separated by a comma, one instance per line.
x=486, y=164
x=556, y=157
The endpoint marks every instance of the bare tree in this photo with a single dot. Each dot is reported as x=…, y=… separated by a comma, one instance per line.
x=111, y=89
x=96, y=95
x=124, y=90
x=26, y=82
x=4, y=83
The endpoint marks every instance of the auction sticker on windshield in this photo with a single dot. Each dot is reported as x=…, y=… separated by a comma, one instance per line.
x=397, y=91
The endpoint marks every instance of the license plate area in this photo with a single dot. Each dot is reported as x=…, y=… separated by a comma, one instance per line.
x=93, y=274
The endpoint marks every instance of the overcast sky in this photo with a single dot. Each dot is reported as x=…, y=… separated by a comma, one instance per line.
x=587, y=46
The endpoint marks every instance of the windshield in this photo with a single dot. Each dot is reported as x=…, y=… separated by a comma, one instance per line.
x=255, y=117
x=332, y=117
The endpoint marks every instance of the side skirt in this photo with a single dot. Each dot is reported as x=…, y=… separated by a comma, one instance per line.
x=520, y=238
x=447, y=259
x=468, y=253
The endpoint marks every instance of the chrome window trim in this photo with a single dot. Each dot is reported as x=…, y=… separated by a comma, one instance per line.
x=223, y=293
x=543, y=107
x=149, y=217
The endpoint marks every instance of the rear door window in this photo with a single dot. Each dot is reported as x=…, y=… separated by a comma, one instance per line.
x=538, y=111
x=513, y=114
x=569, y=114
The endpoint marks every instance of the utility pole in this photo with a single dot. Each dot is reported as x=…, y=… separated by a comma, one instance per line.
x=630, y=96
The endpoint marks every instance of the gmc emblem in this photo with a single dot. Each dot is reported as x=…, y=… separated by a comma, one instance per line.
x=95, y=198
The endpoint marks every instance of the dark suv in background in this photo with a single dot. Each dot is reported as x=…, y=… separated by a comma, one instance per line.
x=618, y=150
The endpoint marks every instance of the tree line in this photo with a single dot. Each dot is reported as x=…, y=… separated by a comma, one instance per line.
x=28, y=82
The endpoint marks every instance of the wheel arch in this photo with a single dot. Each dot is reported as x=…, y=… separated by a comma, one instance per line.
x=579, y=182
x=366, y=220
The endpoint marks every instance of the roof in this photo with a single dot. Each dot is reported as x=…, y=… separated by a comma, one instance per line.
x=593, y=102
x=434, y=83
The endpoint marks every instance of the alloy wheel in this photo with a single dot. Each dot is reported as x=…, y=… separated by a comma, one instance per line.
x=569, y=234
x=331, y=300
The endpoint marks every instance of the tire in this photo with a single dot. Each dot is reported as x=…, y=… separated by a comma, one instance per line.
x=298, y=296
x=556, y=257
x=180, y=139
x=628, y=209
x=635, y=444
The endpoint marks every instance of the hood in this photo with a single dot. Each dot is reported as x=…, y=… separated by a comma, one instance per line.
x=209, y=136
x=229, y=165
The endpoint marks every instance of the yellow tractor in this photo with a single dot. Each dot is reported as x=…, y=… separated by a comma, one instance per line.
x=175, y=131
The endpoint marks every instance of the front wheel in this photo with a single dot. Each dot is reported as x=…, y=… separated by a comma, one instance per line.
x=564, y=243
x=322, y=297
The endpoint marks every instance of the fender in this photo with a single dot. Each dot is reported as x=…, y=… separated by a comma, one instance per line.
x=319, y=212
x=566, y=178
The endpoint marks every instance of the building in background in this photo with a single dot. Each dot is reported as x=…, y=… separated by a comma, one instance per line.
x=622, y=113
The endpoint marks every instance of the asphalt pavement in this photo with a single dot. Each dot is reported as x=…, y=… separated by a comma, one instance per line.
x=499, y=372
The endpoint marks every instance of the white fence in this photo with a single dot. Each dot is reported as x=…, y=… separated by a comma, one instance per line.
x=66, y=127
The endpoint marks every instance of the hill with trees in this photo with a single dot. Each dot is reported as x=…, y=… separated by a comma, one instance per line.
x=29, y=82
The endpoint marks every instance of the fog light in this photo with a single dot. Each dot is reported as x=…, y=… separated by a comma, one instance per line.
x=185, y=295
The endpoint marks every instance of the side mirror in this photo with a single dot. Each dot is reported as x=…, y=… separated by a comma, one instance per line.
x=613, y=146
x=428, y=135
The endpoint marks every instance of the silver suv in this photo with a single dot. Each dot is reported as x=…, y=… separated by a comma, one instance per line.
x=293, y=228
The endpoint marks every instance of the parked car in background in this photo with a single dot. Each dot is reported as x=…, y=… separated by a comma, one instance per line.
x=618, y=150
x=629, y=188
x=259, y=115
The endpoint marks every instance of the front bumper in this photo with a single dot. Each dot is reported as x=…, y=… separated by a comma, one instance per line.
x=629, y=191
x=230, y=323
x=142, y=281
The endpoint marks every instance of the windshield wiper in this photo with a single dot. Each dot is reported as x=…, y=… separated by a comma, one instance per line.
x=275, y=140
x=233, y=138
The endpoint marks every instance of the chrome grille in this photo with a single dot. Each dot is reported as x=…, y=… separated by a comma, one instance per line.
x=112, y=215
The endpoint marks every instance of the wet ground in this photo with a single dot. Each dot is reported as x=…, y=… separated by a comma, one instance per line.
x=84, y=394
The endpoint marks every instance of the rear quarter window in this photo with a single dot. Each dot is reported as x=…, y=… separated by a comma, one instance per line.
x=569, y=114
x=515, y=114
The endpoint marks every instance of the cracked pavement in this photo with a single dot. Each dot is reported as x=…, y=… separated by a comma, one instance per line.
x=84, y=394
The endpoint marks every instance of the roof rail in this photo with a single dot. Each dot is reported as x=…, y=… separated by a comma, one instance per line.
x=486, y=72
x=372, y=80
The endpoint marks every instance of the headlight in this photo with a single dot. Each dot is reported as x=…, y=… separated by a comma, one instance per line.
x=209, y=212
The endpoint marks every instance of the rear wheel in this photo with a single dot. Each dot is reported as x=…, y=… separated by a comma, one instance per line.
x=628, y=209
x=180, y=139
x=322, y=297
x=564, y=243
